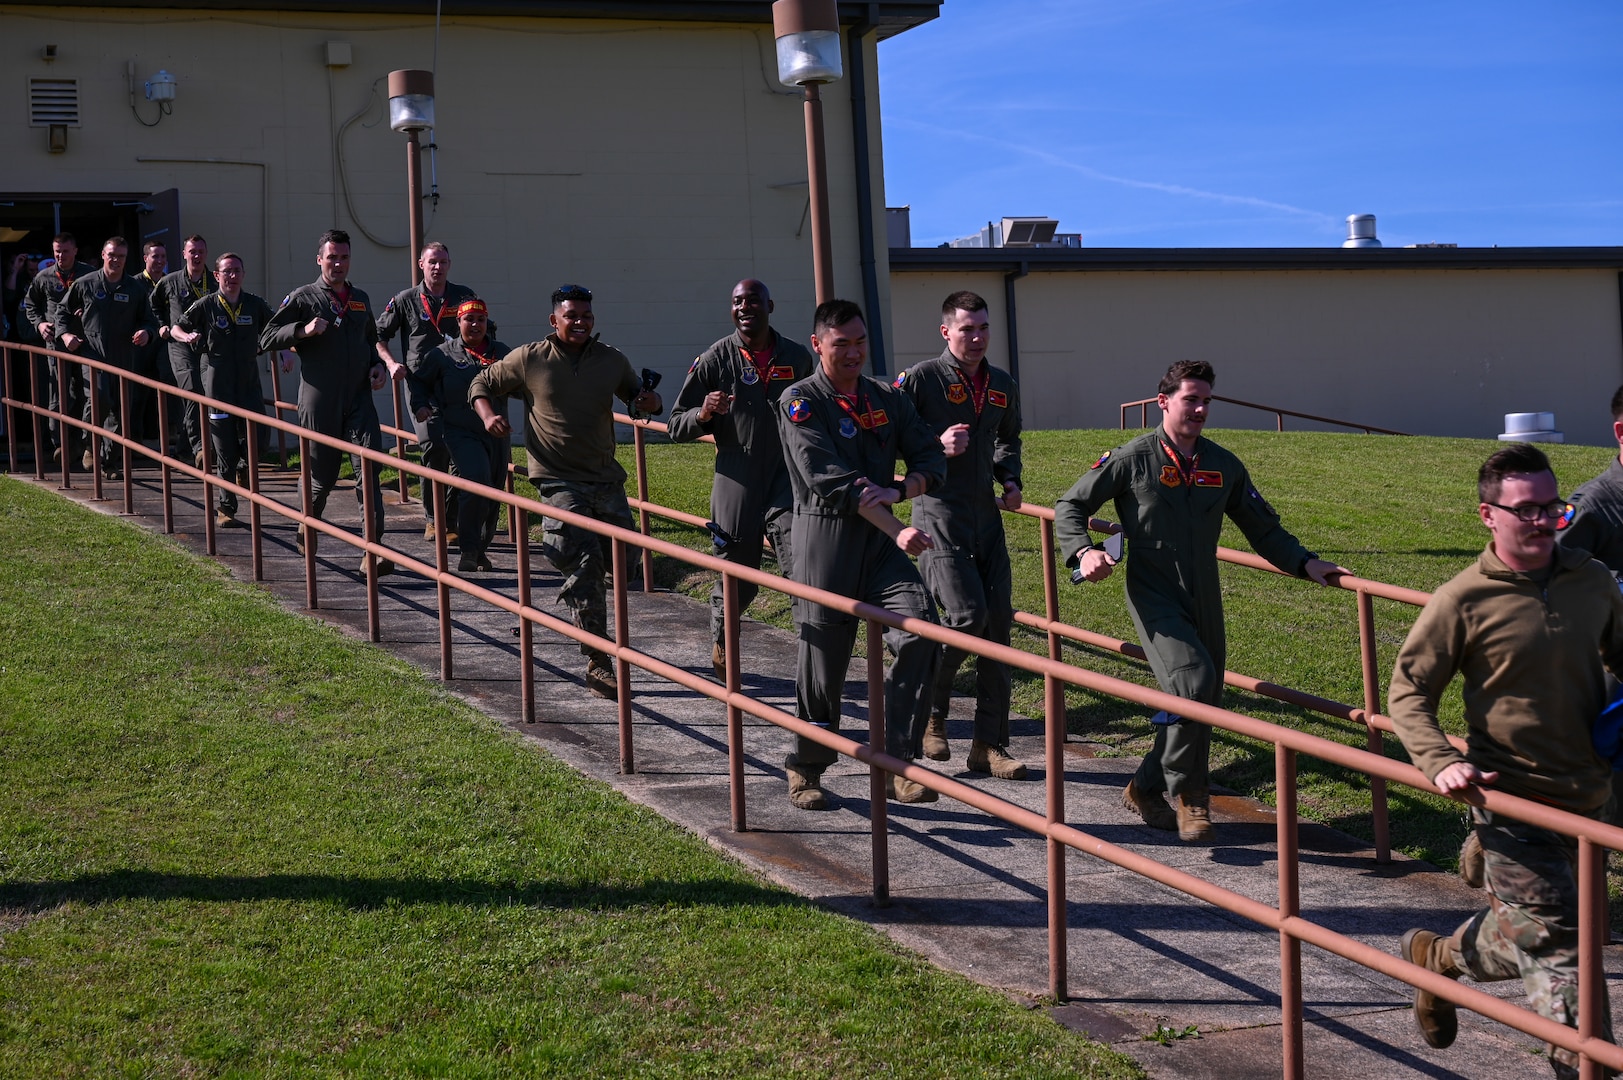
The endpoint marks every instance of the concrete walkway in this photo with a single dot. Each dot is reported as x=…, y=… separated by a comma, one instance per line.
x=968, y=892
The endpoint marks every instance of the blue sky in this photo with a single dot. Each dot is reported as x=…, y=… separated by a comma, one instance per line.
x=1261, y=123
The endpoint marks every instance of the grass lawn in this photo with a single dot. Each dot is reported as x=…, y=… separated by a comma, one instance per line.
x=1400, y=510
x=236, y=843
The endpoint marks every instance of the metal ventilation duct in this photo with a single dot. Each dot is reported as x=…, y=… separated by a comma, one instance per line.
x=1360, y=232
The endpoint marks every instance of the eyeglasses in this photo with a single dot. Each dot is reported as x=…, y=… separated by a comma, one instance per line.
x=1531, y=512
x=570, y=292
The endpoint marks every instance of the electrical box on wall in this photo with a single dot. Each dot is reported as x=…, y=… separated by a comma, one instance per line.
x=339, y=54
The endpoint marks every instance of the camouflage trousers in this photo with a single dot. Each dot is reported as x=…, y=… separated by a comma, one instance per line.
x=580, y=555
x=1531, y=929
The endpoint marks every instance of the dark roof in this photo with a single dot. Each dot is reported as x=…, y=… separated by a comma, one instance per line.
x=1004, y=260
x=889, y=18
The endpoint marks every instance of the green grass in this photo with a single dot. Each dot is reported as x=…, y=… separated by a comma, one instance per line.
x=236, y=843
x=1400, y=510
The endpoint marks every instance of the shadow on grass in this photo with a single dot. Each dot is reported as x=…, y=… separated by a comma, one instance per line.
x=364, y=893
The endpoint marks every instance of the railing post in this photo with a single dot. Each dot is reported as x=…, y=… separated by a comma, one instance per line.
x=508, y=485
x=526, y=629
x=400, y=441
x=1372, y=706
x=374, y=628
x=165, y=473
x=307, y=531
x=276, y=403
x=1054, y=780
x=1290, y=906
x=735, y=715
x=206, y=421
x=7, y=417
x=93, y=438
x=256, y=534
x=622, y=672
x=442, y=562
x=878, y=813
x=42, y=426
x=126, y=456
x=63, y=429
x=1591, y=969
x=641, y=447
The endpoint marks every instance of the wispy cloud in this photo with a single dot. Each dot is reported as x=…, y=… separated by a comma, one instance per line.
x=1058, y=161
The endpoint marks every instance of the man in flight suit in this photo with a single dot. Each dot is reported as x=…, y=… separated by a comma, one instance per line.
x=425, y=316
x=329, y=324
x=731, y=392
x=569, y=382
x=227, y=324
x=175, y=292
x=974, y=409
x=106, y=316
x=842, y=433
x=1594, y=522
x=1172, y=489
x=39, y=305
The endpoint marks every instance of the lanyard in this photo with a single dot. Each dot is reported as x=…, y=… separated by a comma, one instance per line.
x=864, y=419
x=231, y=312
x=484, y=361
x=1187, y=476
x=197, y=290
x=433, y=314
x=762, y=359
x=64, y=281
x=977, y=388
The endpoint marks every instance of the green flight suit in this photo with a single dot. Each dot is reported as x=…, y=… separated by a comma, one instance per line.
x=1171, y=511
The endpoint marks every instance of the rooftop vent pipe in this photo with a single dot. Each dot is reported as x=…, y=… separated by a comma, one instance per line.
x=1360, y=232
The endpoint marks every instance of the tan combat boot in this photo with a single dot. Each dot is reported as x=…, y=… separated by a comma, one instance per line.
x=600, y=678
x=1150, y=806
x=1473, y=869
x=1194, y=816
x=903, y=790
x=806, y=785
x=718, y=661
x=1437, y=1019
x=935, y=739
x=986, y=758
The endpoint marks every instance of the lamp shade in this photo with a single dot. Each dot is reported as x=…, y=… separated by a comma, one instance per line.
x=411, y=100
x=808, y=35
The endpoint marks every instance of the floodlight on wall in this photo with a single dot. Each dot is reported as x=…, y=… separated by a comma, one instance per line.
x=411, y=110
x=160, y=88
x=808, y=36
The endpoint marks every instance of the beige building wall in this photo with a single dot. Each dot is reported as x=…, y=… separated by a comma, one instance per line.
x=654, y=163
x=1437, y=352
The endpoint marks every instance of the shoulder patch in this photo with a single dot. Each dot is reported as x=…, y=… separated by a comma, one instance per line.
x=285, y=299
x=1567, y=515
x=799, y=410
x=1099, y=464
x=695, y=365
x=389, y=306
x=901, y=377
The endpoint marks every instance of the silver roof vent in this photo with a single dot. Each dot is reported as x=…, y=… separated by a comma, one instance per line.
x=1360, y=232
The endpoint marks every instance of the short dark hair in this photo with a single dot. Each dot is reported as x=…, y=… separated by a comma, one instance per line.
x=64, y=238
x=1617, y=405
x=194, y=239
x=565, y=293
x=962, y=300
x=1186, y=369
x=146, y=248
x=332, y=236
x=223, y=256
x=832, y=313
x=1517, y=459
x=115, y=241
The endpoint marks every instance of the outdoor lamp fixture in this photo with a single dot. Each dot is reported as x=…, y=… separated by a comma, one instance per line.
x=160, y=88
x=411, y=109
x=808, y=34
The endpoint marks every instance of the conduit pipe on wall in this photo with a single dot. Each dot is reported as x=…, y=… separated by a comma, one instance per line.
x=1012, y=318
x=866, y=251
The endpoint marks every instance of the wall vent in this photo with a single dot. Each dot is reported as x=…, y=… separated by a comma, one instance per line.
x=53, y=102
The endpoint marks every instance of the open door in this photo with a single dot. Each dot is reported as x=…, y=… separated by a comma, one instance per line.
x=160, y=220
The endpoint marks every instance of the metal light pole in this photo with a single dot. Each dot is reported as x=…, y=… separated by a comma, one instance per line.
x=808, y=36
x=411, y=110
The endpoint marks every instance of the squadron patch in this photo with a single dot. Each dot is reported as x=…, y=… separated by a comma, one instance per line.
x=799, y=410
x=957, y=394
x=1208, y=478
x=222, y=322
x=1170, y=476
x=998, y=398
x=1566, y=517
x=691, y=367
x=780, y=374
x=848, y=427
x=750, y=376
x=357, y=305
x=1104, y=457
x=897, y=382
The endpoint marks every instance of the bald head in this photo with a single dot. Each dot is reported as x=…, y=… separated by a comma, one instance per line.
x=752, y=309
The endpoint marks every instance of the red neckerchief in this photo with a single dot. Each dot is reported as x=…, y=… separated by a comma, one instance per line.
x=762, y=359
x=977, y=386
x=1187, y=476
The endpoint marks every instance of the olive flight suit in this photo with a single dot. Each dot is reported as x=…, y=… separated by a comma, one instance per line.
x=174, y=294
x=750, y=495
x=829, y=445
x=230, y=369
x=423, y=322
x=446, y=372
x=1595, y=523
x=968, y=569
x=335, y=388
x=40, y=301
x=1171, y=511
x=106, y=314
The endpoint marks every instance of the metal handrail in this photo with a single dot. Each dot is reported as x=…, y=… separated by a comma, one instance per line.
x=1594, y=838
x=1143, y=407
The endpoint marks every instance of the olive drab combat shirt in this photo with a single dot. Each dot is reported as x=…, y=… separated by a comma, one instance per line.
x=1171, y=511
x=959, y=512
